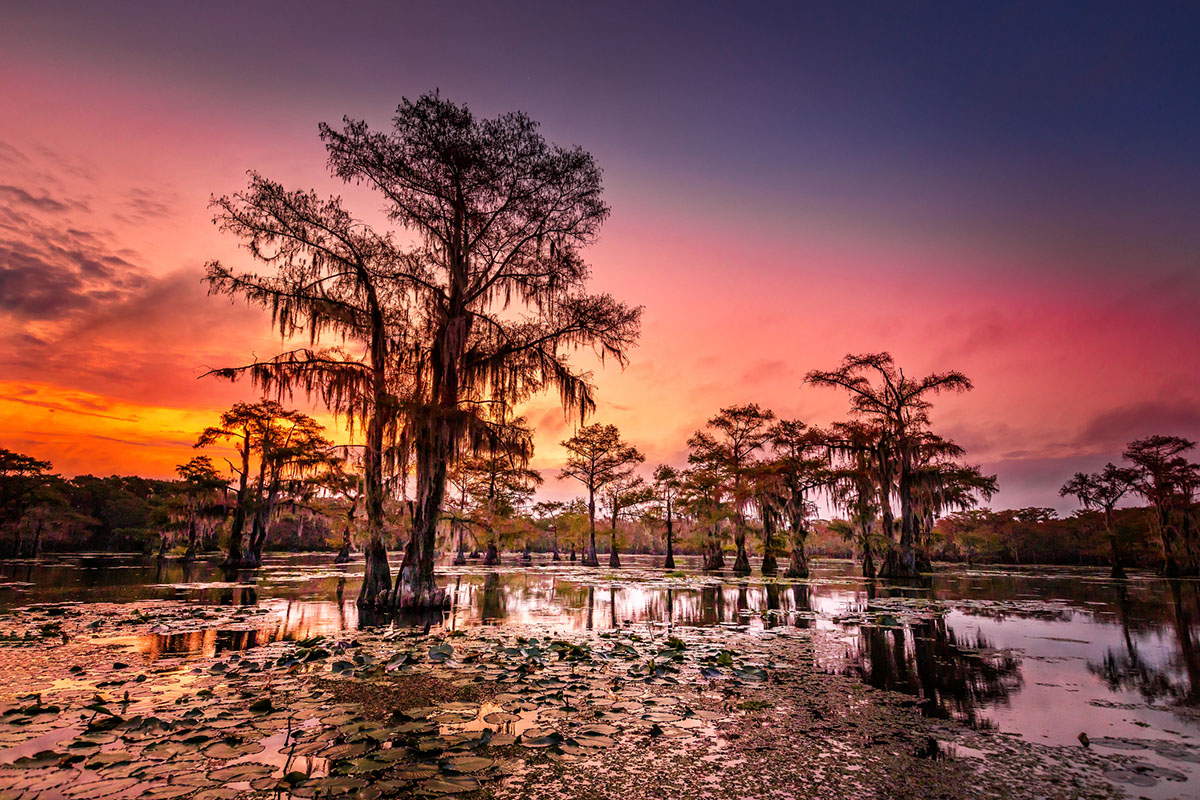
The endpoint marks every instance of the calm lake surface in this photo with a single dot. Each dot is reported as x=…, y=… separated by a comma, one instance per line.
x=1042, y=653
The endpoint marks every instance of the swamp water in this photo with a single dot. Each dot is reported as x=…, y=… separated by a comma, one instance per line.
x=121, y=677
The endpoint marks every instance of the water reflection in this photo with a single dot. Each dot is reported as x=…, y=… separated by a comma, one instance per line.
x=1014, y=643
x=951, y=678
x=802, y=603
x=1175, y=680
x=492, y=606
x=205, y=643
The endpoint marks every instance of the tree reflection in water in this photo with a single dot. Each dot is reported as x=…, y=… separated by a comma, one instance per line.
x=612, y=606
x=771, y=615
x=242, y=592
x=208, y=643
x=952, y=679
x=1178, y=680
x=591, y=606
x=492, y=606
x=802, y=595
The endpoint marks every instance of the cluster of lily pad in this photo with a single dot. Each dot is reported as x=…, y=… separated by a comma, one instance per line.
x=329, y=716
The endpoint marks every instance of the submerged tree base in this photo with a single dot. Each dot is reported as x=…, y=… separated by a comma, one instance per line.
x=797, y=565
x=377, y=577
x=901, y=564
x=712, y=559
x=415, y=592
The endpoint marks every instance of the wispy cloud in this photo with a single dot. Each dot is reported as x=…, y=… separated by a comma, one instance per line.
x=19, y=196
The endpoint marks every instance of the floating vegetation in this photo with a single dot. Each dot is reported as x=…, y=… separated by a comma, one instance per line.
x=271, y=719
x=398, y=712
x=715, y=687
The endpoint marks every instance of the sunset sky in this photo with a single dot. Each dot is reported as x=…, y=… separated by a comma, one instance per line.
x=1011, y=193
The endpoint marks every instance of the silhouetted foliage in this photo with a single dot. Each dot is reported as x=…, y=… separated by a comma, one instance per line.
x=1103, y=490
x=283, y=449
x=622, y=496
x=1163, y=475
x=728, y=451
x=899, y=408
x=596, y=457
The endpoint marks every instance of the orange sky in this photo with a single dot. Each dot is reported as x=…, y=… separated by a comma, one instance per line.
x=1079, y=333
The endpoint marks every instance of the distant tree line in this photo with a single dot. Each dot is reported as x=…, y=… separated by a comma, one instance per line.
x=492, y=506
x=186, y=518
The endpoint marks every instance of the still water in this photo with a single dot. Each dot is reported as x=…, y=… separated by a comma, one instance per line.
x=1042, y=653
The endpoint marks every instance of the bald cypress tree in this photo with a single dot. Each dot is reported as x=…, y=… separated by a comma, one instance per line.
x=475, y=315
x=332, y=280
x=728, y=447
x=597, y=458
x=496, y=283
x=800, y=466
x=1164, y=476
x=898, y=406
x=667, y=485
x=1102, y=491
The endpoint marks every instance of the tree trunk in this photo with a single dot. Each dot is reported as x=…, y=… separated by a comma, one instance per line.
x=868, y=558
x=900, y=563
x=741, y=563
x=262, y=522
x=36, y=544
x=770, y=566
x=492, y=557
x=415, y=585
x=343, y=555
x=252, y=555
x=908, y=518
x=556, y=556
x=258, y=539
x=713, y=558
x=460, y=557
x=234, y=559
x=1188, y=535
x=1118, y=570
x=190, y=553
x=669, y=562
x=614, y=560
x=377, y=575
x=572, y=553
x=1167, y=532
x=589, y=556
x=798, y=565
